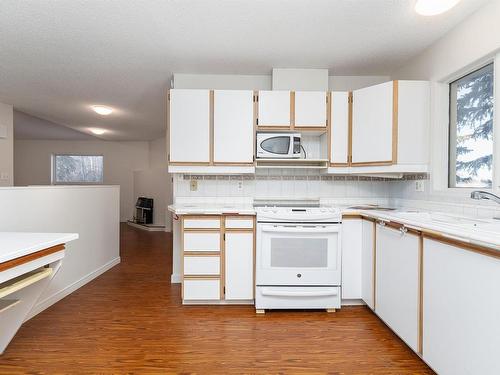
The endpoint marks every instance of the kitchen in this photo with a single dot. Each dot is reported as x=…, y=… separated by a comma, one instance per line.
x=309, y=207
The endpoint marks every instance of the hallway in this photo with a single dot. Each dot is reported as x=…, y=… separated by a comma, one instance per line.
x=130, y=320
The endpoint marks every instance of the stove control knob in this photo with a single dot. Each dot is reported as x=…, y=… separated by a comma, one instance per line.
x=299, y=275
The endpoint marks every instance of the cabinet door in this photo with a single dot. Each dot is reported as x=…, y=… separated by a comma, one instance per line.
x=372, y=127
x=239, y=266
x=351, y=258
x=461, y=307
x=310, y=109
x=233, y=126
x=397, y=282
x=367, y=265
x=339, y=105
x=274, y=108
x=189, y=126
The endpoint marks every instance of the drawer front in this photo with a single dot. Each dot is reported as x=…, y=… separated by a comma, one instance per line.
x=208, y=223
x=201, y=241
x=283, y=297
x=202, y=265
x=201, y=289
x=239, y=223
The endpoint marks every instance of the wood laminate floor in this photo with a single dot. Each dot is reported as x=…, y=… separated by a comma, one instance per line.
x=130, y=320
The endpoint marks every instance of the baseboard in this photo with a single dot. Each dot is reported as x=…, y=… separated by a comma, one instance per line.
x=148, y=227
x=175, y=278
x=49, y=301
x=352, y=302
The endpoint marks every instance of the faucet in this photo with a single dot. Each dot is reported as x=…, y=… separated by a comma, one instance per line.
x=478, y=194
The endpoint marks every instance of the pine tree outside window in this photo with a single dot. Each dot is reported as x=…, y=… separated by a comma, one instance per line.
x=471, y=130
x=77, y=169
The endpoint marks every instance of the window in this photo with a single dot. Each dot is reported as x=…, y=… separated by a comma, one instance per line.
x=77, y=169
x=471, y=130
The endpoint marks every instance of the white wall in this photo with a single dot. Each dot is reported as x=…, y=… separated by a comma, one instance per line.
x=90, y=211
x=154, y=182
x=7, y=146
x=470, y=44
x=474, y=39
x=32, y=164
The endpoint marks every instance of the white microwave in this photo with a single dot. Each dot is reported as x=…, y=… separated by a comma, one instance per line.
x=278, y=145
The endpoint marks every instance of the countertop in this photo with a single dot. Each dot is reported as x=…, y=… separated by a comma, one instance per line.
x=482, y=232
x=17, y=244
x=211, y=209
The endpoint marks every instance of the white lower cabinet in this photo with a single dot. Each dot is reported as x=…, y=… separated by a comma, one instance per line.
x=239, y=254
x=397, y=282
x=461, y=310
x=201, y=265
x=351, y=258
x=218, y=258
x=367, y=262
x=200, y=289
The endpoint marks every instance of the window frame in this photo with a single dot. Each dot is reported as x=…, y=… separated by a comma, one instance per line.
x=80, y=183
x=440, y=131
x=452, y=120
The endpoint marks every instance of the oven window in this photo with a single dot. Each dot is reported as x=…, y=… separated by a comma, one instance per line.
x=299, y=252
x=276, y=145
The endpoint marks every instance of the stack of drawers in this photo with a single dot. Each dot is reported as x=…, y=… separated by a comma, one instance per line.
x=218, y=257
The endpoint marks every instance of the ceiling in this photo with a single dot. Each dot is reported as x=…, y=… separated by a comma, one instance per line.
x=59, y=57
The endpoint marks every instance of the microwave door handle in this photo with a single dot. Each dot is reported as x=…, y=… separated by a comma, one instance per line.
x=288, y=229
x=298, y=293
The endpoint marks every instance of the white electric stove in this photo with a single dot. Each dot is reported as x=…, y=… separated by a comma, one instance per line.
x=298, y=261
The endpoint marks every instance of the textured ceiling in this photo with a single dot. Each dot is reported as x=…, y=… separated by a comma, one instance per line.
x=59, y=57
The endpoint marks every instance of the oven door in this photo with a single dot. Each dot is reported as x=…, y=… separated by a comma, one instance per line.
x=298, y=254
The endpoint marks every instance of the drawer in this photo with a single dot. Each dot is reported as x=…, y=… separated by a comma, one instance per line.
x=286, y=297
x=239, y=223
x=202, y=241
x=200, y=223
x=202, y=265
x=199, y=289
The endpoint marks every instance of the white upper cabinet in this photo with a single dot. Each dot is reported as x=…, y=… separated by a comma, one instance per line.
x=372, y=125
x=189, y=123
x=390, y=125
x=233, y=126
x=397, y=282
x=274, y=108
x=310, y=109
x=413, y=122
x=339, y=108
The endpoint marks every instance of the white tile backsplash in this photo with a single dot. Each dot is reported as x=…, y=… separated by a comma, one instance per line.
x=307, y=184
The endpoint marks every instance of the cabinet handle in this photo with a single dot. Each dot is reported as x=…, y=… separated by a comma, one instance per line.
x=403, y=230
x=381, y=223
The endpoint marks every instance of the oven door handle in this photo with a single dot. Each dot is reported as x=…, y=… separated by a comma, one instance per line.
x=300, y=229
x=290, y=293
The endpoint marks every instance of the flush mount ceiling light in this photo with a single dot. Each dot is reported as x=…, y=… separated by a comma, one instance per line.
x=102, y=110
x=98, y=131
x=434, y=7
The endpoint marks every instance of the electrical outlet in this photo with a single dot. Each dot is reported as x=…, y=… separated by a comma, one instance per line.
x=193, y=185
x=239, y=185
x=419, y=185
x=4, y=176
